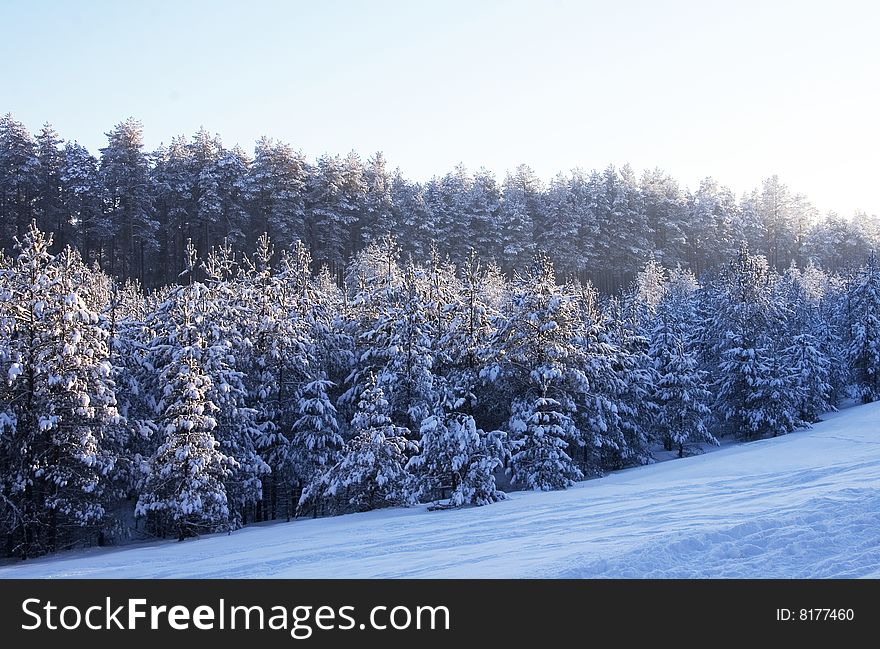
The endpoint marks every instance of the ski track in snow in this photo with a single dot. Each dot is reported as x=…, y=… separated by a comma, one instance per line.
x=806, y=505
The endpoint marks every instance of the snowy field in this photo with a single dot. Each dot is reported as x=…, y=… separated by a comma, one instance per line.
x=802, y=505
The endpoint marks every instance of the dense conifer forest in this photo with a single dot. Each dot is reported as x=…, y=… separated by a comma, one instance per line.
x=194, y=339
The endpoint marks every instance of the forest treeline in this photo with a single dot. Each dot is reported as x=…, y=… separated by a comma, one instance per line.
x=133, y=211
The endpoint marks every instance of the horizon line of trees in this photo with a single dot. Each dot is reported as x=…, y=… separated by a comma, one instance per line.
x=132, y=211
x=253, y=388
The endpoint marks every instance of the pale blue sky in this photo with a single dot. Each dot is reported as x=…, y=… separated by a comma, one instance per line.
x=738, y=90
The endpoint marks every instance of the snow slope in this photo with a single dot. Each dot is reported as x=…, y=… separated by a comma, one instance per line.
x=803, y=505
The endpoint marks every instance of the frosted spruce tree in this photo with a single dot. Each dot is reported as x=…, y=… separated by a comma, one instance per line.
x=628, y=337
x=390, y=314
x=541, y=362
x=125, y=181
x=19, y=180
x=403, y=338
x=864, y=331
x=276, y=191
x=807, y=337
x=756, y=393
x=132, y=443
x=372, y=470
x=602, y=416
x=315, y=443
x=58, y=400
x=223, y=320
x=374, y=280
x=277, y=356
x=457, y=460
x=183, y=492
x=682, y=413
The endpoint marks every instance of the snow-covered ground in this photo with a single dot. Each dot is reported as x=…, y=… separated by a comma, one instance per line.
x=803, y=505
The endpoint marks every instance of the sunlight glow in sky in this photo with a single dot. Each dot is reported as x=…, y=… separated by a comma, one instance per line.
x=736, y=90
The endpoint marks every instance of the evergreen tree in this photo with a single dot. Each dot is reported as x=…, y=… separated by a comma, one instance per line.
x=59, y=399
x=19, y=180
x=664, y=210
x=125, y=178
x=336, y=196
x=457, y=461
x=412, y=225
x=519, y=209
x=50, y=212
x=559, y=235
x=710, y=222
x=183, y=492
x=756, y=392
x=372, y=472
x=603, y=413
x=316, y=439
x=276, y=190
x=378, y=214
x=864, y=331
x=807, y=339
x=541, y=362
x=682, y=403
x=483, y=205
x=81, y=203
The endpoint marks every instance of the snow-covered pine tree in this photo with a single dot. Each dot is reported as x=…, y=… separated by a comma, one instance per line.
x=664, y=209
x=393, y=333
x=483, y=204
x=682, y=402
x=601, y=414
x=81, y=399
x=632, y=365
x=81, y=200
x=559, y=235
x=410, y=355
x=683, y=414
x=624, y=233
x=755, y=392
x=276, y=190
x=336, y=194
x=372, y=470
x=125, y=318
x=710, y=218
x=316, y=442
x=541, y=362
x=201, y=320
x=59, y=397
x=864, y=331
x=398, y=347
x=19, y=180
x=183, y=491
x=125, y=179
x=412, y=225
x=517, y=214
x=811, y=370
x=457, y=460
x=323, y=351
x=377, y=219
x=51, y=216
x=539, y=430
x=223, y=321
x=649, y=290
x=464, y=346
x=277, y=360
x=228, y=196
x=803, y=351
